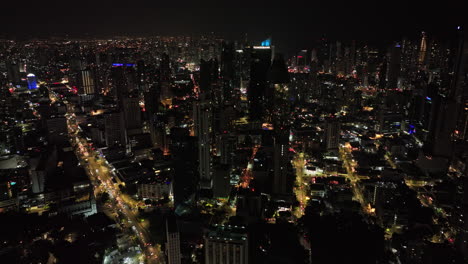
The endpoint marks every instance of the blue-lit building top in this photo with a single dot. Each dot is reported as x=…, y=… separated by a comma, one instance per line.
x=123, y=64
x=266, y=43
x=32, y=82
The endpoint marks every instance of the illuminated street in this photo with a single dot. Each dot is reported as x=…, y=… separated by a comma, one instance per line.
x=101, y=177
x=301, y=189
x=212, y=133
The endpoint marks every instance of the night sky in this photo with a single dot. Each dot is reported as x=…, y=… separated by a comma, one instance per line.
x=291, y=23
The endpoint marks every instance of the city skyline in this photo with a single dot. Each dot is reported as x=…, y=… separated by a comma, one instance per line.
x=241, y=133
x=292, y=25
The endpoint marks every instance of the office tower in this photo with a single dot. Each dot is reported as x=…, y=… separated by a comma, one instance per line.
x=202, y=121
x=324, y=55
x=132, y=113
x=281, y=160
x=393, y=70
x=459, y=89
x=260, y=64
x=115, y=131
x=122, y=79
x=227, y=147
x=165, y=78
x=32, y=82
x=142, y=75
x=172, y=241
x=382, y=75
x=87, y=82
x=250, y=205
x=422, y=50
x=155, y=114
x=209, y=83
x=226, y=244
x=227, y=71
x=338, y=61
x=313, y=56
x=57, y=130
x=278, y=94
x=301, y=60
x=221, y=181
x=451, y=118
x=13, y=72
x=333, y=135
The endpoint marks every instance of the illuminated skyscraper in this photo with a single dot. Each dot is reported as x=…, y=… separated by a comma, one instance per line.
x=256, y=93
x=32, y=82
x=333, y=135
x=422, y=50
x=202, y=119
x=87, y=85
x=282, y=184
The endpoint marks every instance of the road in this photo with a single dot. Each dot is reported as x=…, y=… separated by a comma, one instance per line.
x=301, y=187
x=246, y=176
x=101, y=177
x=351, y=175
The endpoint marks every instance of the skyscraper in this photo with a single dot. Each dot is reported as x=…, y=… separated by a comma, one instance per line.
x=393, y=71
x=202, y=120
x=87, y=82
x=260, y=64
x=451, y=118
x=32, y=82
x=172, y=241
x=281, y=160
x=132, y=112
x=333, y=135
x=123, y=80
x=226, y=244
x=422, y=50
x=115, y=131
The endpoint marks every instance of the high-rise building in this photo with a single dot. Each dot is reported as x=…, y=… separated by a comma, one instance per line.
x=165, y=78
x=32, y=82
x=282, y=184
x=459, y=89
x=13, y=72
x=333, y=135
x=132, y=113
x=87, y=84
x=278, y=94
x=172, y=241
x=451, y=118
x=202, y=121
x=123, y=80
x=393, y=70
x=226, y=244
x=115, y=131
x=260, y=64
x=227, y=71
x=422, y=50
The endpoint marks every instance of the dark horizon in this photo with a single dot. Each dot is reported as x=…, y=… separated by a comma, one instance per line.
x=293, y=26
